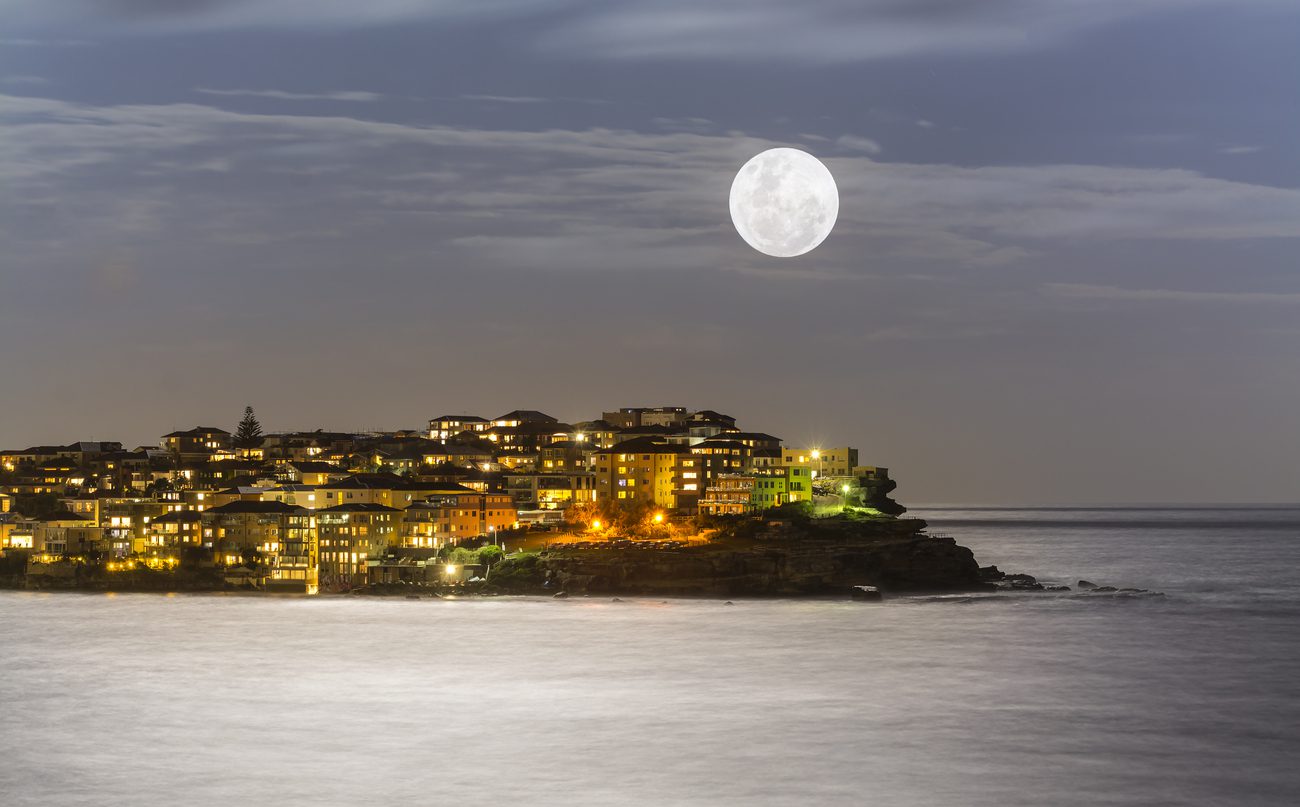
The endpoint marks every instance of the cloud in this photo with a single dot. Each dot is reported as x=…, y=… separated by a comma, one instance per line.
x=336, y=95
x=189, y=178
x=685, y=124
x=924, y=124
x=31, y=81
x=855, y=143
x=820, y=31
x=1085, y=291
x=1240, y=149
x=507, y=99
x=529, y=99
x=40, y=43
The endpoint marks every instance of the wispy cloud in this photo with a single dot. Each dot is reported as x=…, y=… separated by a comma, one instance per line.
x=25, y=81
x=19, y=42
x=1086, y=291
x=283, y=95
x=507, y=99
x=1240, y=149
x=530, y=99
x=856, y=143
x=812, y=31
x=553, y=199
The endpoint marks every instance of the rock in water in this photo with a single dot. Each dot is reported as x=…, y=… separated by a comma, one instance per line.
x=1085, y=584
x=563, y=595
x=865, y=594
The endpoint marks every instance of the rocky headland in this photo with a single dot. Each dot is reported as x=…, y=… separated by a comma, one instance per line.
x=775, y=558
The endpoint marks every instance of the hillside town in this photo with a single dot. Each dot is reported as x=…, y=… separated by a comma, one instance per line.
x=318, y=510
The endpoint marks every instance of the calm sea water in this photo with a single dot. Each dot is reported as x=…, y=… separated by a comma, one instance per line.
x=1190, y=699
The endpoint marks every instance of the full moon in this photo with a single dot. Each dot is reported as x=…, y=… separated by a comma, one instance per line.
x=784, y=202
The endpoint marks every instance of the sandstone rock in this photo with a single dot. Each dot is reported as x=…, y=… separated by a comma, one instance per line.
x=1085, y=584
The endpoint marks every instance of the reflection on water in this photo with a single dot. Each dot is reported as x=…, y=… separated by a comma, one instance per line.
x=1190, y=699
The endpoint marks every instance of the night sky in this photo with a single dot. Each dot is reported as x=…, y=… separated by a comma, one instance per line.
x=1065, y=268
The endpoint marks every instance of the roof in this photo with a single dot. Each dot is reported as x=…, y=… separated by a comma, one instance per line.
x=364, y=482
x=721, y=443
x=178, y=517
x=459, y=419
x=527, y=415
x=644, y=445
x=359, y=508
x=752, y=436
x=274, y=508
x=197, y=430
x=317, y=467
x=709, y=414
x=439, y=487
x=652, y=429
x=61, y=515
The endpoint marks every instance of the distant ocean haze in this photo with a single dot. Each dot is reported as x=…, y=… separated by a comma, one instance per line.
x=1069, y=699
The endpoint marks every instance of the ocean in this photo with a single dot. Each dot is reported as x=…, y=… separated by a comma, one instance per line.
x=1192, y=698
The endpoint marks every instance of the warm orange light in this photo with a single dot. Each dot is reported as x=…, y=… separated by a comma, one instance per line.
x=659, y=518
x=595, y=525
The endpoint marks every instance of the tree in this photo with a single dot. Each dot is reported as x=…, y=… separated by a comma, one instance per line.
x=249, y=434
x=490, y=554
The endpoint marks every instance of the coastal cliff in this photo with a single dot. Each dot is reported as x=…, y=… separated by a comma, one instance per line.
x=799, y=558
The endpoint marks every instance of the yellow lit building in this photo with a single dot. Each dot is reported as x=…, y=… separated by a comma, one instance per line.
x=351, y=534
x=448, y=426
x=171, y=532
x=648, y=470
x=453, y=517
x=823, y=461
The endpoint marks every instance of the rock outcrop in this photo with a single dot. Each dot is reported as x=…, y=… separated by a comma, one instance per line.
x=808, y=557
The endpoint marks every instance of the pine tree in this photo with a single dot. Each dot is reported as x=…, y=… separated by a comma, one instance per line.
x=249, y=433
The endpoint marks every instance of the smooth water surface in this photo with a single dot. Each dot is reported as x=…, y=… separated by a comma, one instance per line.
x=1191, y=699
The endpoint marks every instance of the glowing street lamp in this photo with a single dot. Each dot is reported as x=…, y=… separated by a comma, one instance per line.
x=659, y=518
x=595, y=525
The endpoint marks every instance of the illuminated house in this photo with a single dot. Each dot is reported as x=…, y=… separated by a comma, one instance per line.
x=62, y=533
x=313, y=472
x=349, y=535
x=646, y=470
x=736, y=494
x=199, y=442
x=521, y=416
x=447, y=426
x=358, y=489
x=565, y=456
x=284, y=536
x=125, y=522
x=453, y=516
x=529, y=436
x=5, y=500
x=729, y=495
x=631, y=416
x=550, y=491
x=173, y=531
x=299, y=495
x=823, y=462
x=596, y=433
